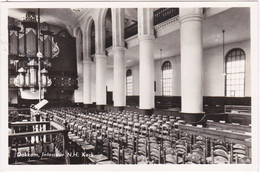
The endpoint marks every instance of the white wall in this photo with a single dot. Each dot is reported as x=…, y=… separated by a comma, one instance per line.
x=78, y=93
x=110, y=79
x=135, y=73
x=213, y=78
x=176, y=75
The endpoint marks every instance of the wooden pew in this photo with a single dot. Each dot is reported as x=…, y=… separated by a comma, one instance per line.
x=231, y=137
x=215, y=134
x=233, y=127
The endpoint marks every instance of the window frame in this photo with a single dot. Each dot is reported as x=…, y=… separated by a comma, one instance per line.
x=164, y=67
x=242, y=52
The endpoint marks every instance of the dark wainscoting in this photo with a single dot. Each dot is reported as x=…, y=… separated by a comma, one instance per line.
x=246, y=101
x=217, y=104
x=165, y=102
x=168, y=112
x=132, y=101
x=80, y=104
x=210, y=104
x=110, y=98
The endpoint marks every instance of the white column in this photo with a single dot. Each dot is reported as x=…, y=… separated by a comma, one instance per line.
x=191, y=60
x=119, y=77
x=101, y=58
x=87, y=81
x=146, y=56
x=101, y=79
x=93, y=82
x=79, y=92
x=86, y=69
x=118, y=25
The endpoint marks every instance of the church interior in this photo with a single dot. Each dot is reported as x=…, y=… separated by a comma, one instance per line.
x=129, y=86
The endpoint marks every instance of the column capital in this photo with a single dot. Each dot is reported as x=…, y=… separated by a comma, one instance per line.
x=146, y=37
x=86, y=60
x=119, y=48
x=100, y=56
x=190, y=14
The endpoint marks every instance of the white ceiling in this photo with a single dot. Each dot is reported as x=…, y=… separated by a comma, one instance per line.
x=53, y=16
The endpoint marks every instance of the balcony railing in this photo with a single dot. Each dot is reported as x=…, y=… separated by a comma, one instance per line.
x=131, y=31
x=160, y=16
x=164, y=14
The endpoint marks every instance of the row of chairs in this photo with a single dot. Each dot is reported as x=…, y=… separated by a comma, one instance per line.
x=147, y=139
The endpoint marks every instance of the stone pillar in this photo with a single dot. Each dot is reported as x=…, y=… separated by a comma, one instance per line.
x=100, y=58
x=78, y=95
x=118, y=25
x=101, y=80
x=146, y=56
x=191, y=63
x=87, y=82
x=86, y=70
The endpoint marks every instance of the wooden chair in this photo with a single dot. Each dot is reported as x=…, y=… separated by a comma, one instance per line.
x=181, y=151
x=115, y=152
x=219, y=153
x=238, y=154
x=104, y=153
x=144, y=130
x=127, y=156
x=154, y=153
x=169, y=156
x=141, y=150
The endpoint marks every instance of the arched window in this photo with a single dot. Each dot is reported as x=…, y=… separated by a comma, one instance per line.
x=235, y=73
x=167, y=78
x=129, y=83
x=92, y=37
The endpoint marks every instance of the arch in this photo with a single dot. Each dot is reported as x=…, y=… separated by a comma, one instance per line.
x=100, y=31
x=166, y=63
x=91, y=38
x=235, y=64
x=87, y=38
x=129, y=72
x=166, y=78
x=108, y=29
x=79, y=39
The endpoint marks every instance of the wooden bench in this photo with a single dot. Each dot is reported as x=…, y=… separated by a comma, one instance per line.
x=228, y=136
x=234, y=127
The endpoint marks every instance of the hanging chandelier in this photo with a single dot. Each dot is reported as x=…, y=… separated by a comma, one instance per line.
x=31, y=50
